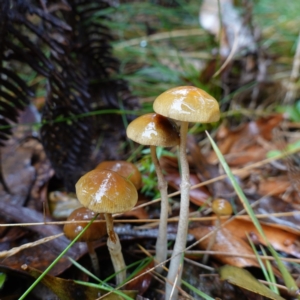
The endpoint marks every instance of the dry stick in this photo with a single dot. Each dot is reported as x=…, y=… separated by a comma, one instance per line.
x=162, y=241
x=15, y=250
x=180, y=243
x=156, y=221
x=210, y=252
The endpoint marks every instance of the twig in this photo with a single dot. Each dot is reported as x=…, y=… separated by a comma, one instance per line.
x=13, y=251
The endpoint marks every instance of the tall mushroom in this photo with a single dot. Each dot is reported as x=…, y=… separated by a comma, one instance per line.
x=155, y=130
x=105, y=191
x=184, y=104
x=95, y=232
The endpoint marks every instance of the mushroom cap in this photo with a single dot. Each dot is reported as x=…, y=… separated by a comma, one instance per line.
x=188, y=104
x=221, y=207
x=105, y=191
x=96, y=230
x=124, y=168
x=153, y=130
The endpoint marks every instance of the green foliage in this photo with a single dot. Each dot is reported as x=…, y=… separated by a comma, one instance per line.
x=293, y=111
x=279, y=38
x=146, y=167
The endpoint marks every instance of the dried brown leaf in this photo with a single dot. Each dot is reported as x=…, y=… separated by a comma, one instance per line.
x=280, y=239
x=226, y=242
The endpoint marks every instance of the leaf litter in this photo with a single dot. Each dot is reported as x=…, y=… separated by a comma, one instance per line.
x=268, y=187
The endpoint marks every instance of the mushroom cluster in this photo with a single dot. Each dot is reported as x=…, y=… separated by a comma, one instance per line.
x=107, y=192
x=112, y=187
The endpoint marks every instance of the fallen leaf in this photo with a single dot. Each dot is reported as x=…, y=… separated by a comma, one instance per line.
x=278, y=184
x=281, y=240
x=226, y=242
x=243, y=144
x=245, y=280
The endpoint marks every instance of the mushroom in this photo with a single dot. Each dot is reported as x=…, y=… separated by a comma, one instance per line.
x=95, y=232
x=124, y=168
x=155, y=130
x=105, y=191
x=184, y=104
x=221, y=207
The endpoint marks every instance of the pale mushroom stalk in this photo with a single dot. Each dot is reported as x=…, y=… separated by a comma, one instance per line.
x=161, y=242
x=175, y=270
x=115, y=250
x=94, y=258
x=156, y=130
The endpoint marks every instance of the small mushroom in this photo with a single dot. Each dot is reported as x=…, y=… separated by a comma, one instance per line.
x=221, y=207
x=95, y=232
x=107, y=192
x=184, y=104
x=155, y=130
x=124, y=168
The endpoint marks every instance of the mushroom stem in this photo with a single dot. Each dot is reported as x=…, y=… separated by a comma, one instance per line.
x=175, y=270
x=212, y=240
x=94, y=258
x=162, y=241
x=115, y=250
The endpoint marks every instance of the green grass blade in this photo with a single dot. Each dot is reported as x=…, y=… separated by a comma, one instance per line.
x=84, y=270
x=273, y=287
x=262, y=266
x=196, y=291
x=105, y=287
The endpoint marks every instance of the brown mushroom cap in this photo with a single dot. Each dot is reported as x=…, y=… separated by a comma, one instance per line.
x=96, y=230
x=221, y=207
x=188, y=104
x=153, y=130
x=124, y=168
x=106, y=191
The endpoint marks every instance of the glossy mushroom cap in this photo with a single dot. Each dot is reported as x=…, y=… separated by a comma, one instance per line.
x=153, y=130
x=221, y=207
x=124, y=168
x=96, y=230
x=188, y=104
x=106, y=191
